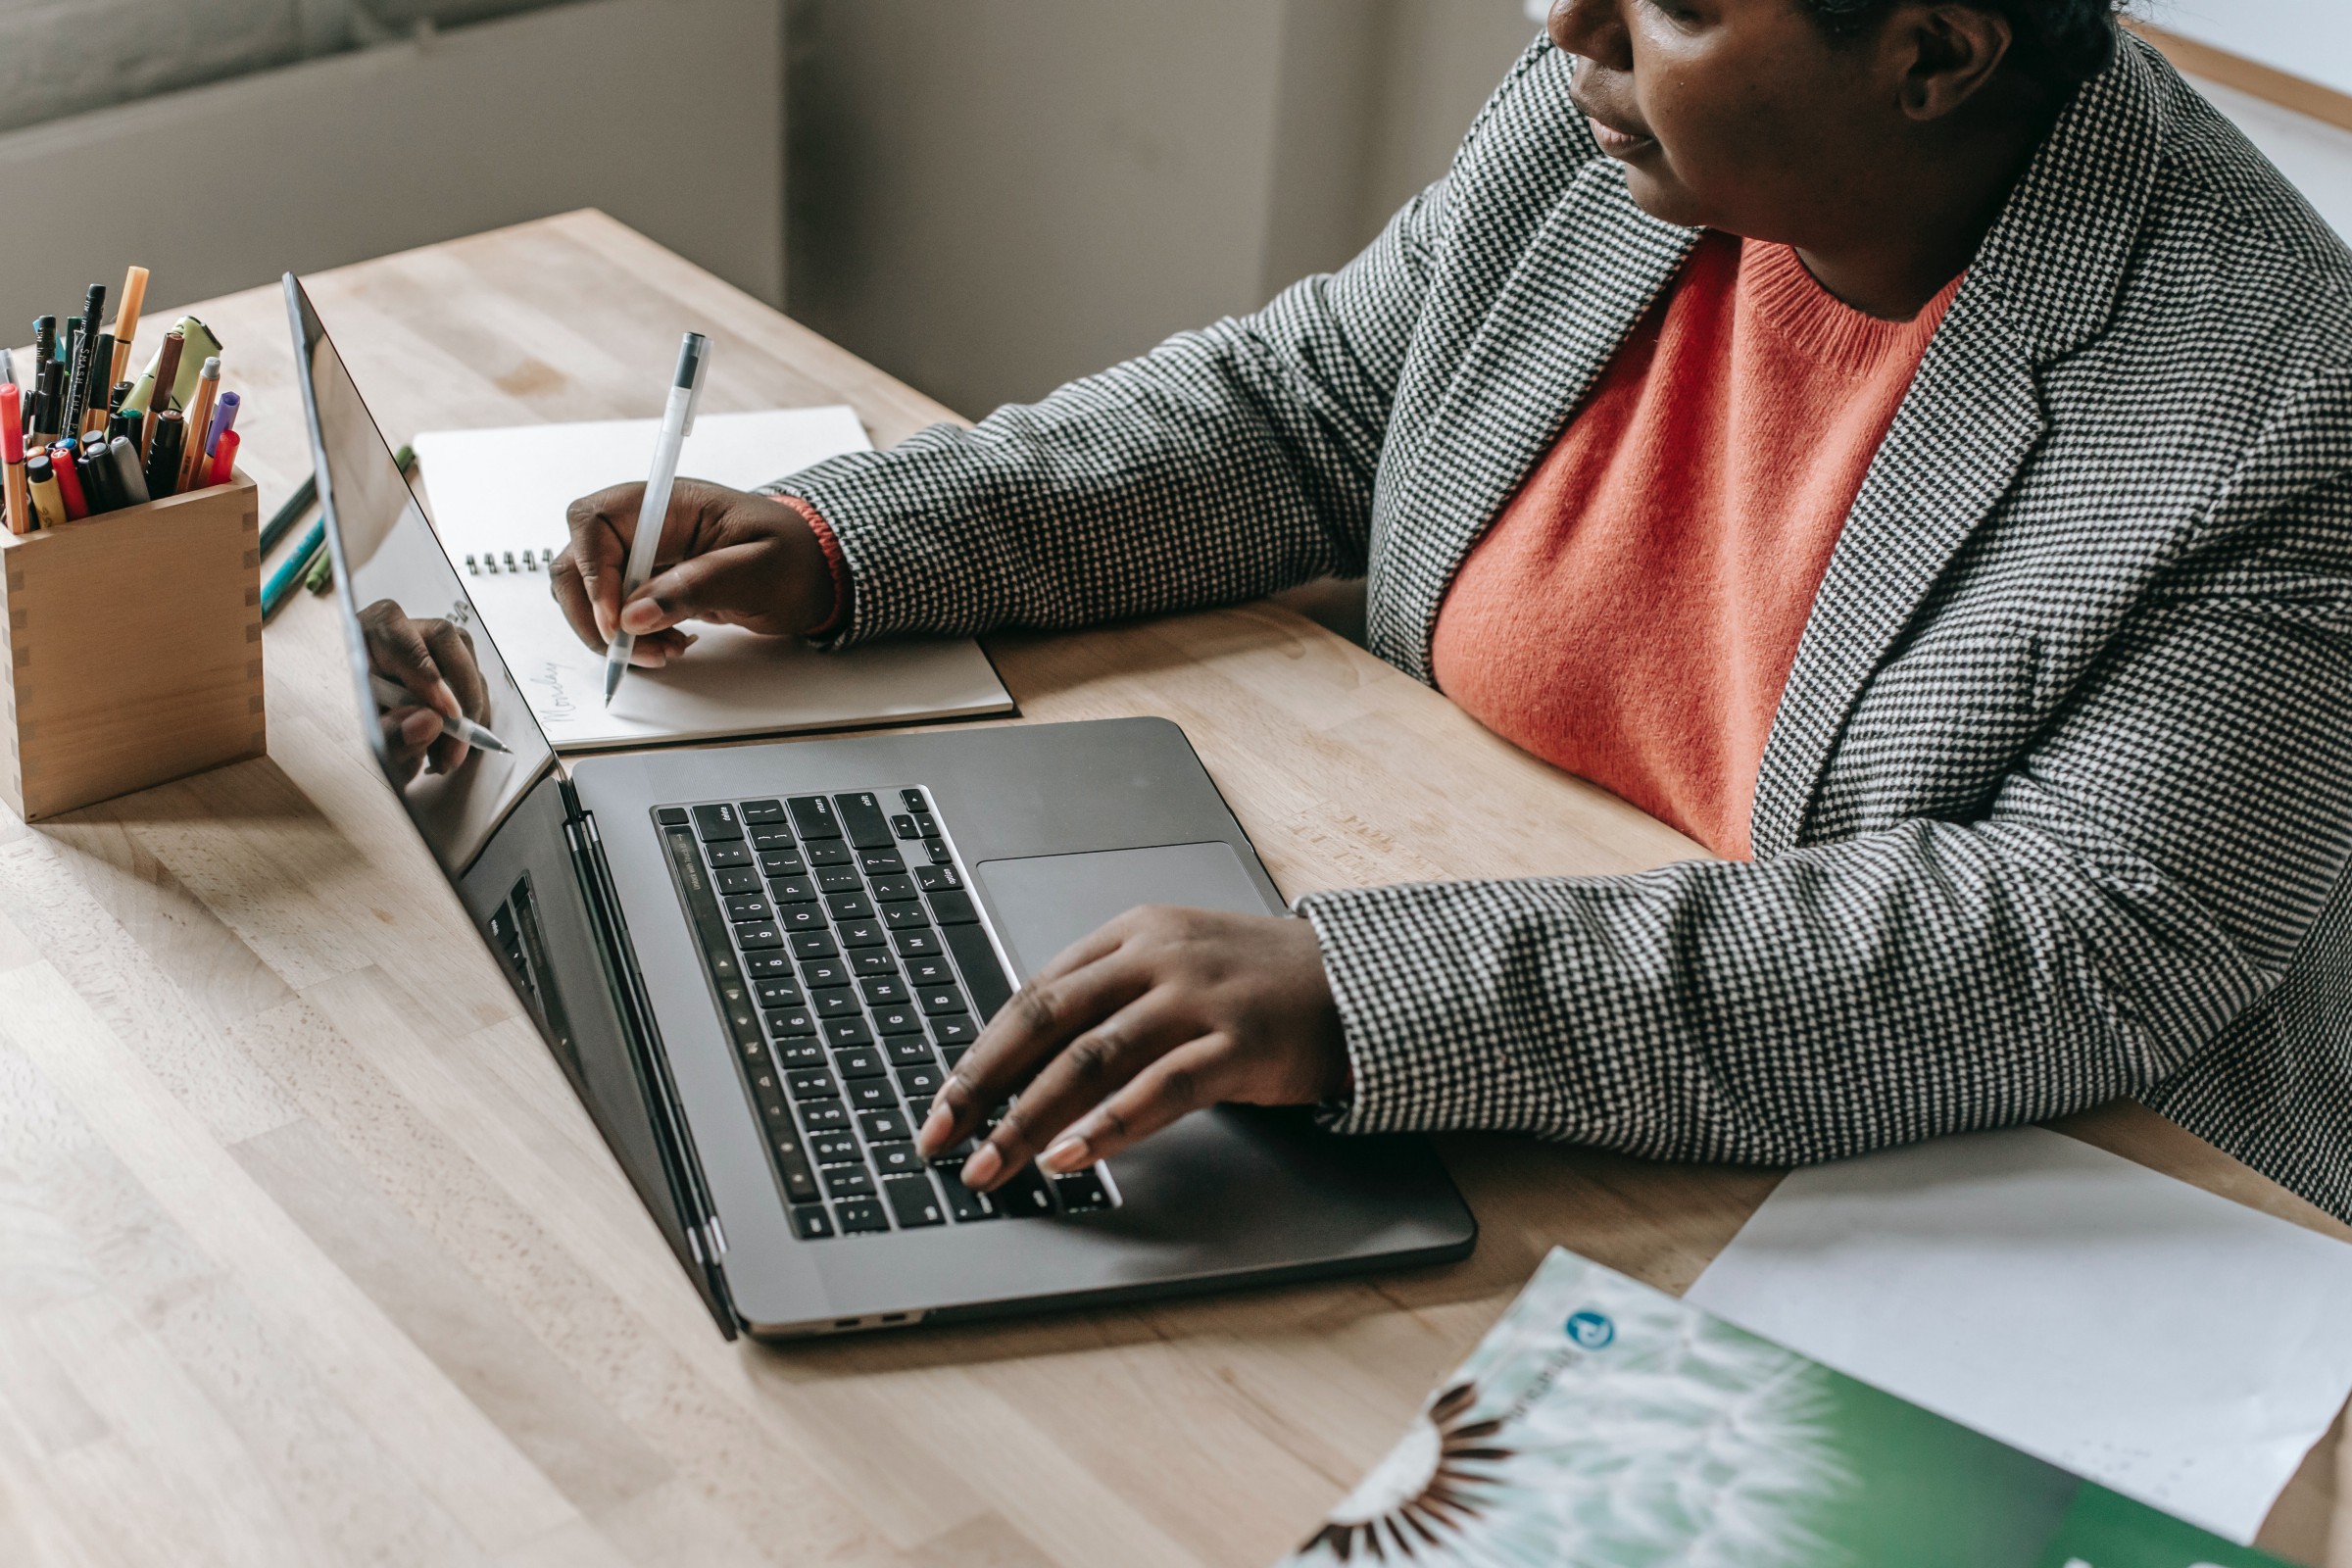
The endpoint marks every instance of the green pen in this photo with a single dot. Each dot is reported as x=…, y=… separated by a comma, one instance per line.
x=311, y=549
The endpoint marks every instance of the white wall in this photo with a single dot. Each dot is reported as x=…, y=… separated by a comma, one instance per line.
x=2306, y=38
x=669, y=114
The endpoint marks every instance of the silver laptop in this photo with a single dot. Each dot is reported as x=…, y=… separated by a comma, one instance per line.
x=755, y=964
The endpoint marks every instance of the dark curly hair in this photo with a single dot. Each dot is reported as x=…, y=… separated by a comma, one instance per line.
x=2060, y=44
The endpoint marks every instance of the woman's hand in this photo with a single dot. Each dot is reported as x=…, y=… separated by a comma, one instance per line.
x=726, y=556
x=433, y=661
x=1160, y=1012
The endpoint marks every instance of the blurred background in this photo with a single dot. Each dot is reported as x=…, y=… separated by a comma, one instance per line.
x=984, y=197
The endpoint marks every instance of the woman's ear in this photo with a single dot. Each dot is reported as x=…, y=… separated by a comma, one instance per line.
x=1944, y=54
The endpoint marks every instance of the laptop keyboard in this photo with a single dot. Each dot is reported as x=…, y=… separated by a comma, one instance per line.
x=851, y=972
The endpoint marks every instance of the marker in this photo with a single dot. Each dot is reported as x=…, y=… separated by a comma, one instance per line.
x=463, y=729
x=200, y=421
x=49, y=393
x=101, y=351
x=225, y=459
x=97, y=472
x=16, y=498
x=124, y=453
x=224, y=420
x=677, y=423
x=44, y=341
x=163, y=453
x=40, y=482
x=126, y=321
x=69, y=481
x=8, y=366
x=151, y=392
x=81, y=383
x=282, y=521
x=280, y=586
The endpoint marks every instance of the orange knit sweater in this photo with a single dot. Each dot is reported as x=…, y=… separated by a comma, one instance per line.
x=1633, y=613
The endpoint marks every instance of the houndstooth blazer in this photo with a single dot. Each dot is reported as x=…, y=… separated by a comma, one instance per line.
x=2057, y=805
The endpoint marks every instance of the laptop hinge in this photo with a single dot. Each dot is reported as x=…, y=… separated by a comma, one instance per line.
x=618, y=958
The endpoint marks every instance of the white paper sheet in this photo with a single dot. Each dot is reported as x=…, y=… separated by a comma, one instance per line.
x=2167, y=1344
x=500, y=493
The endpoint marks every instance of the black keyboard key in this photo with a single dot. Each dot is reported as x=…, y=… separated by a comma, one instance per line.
x=836, y=1004
x=953, y=1156
x=931, y=878
x=713, y=823
x=764, y=966
x=703, y=913
x=791, y=889
x=930, y=971
x=937, y=1000
x=859, y=1061
x=905, y=917
x=914, y=1202
x=1025, y=1196
x=672, y=817
x=908, y=1050
x=937, y=850
x=870, y=1094
x=807, y=945
x=841, y=1033
x=782, y=862
x=811, y=1223
x=885, y=1127
x=897, y=1159
x=849, y=1181
x=812, y=816
x=882, y=989
x=771, y=836
x=860, y=1214
x=802, y=1051
x=823, y=972
x=917, y=943
x=863, y=822
x=926, y=827
x=722, y=856
x=953, y=906
x=880, y=863
x=736, y=879
x=981, y=971
x=824, y=1116
x=849, y=906
x=1082, y=1193
x=840, y=879
x=893, y=889
x=870, y=962
x=919, y=1084
x=861, y=933
x=761, y=812
x=749, y=907
x=736, y=1007
x=899, y=1018
x=950, y=1054
x=813, y=1083
x=801, y=916
x=776, y=994
x=965, y=1203
x=754, y=934
x=902, y=827
x=913, y=800
x=786, y=1022
x=829, y=852
x=836, y=1148
x=792, y=1166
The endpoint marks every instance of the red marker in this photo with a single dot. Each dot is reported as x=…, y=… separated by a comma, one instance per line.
x=224, y=458
x=18, y=495
x=68, y=480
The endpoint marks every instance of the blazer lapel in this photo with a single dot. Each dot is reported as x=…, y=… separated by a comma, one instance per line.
x=1594, y=268
x=2043, y=284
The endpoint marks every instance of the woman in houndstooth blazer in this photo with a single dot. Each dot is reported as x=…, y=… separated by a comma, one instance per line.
x=2057, y=801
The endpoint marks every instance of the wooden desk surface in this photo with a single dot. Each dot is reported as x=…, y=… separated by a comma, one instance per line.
x=307, y=1256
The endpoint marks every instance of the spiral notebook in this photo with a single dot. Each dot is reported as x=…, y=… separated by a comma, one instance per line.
x=498, y=500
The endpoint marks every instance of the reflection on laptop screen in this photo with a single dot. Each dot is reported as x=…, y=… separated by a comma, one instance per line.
x=404, y=589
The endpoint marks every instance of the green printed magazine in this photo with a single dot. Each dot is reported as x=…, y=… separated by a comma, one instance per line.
x=1602, y=1424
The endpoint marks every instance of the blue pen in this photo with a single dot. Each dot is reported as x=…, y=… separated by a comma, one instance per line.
x=290, y=571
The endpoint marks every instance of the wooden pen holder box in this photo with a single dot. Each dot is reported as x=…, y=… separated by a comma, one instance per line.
x=131, y=648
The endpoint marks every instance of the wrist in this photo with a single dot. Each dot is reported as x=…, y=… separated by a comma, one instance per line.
x=821, y=565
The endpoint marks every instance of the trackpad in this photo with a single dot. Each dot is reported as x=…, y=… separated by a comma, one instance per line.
x=1047, y=902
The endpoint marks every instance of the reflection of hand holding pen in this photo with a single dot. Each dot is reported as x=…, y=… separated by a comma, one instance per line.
x=463, y=729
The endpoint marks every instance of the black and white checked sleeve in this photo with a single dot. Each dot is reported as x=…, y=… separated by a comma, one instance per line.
x=2142, y=876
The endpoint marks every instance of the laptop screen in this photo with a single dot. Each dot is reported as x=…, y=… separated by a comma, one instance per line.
x=496, y=821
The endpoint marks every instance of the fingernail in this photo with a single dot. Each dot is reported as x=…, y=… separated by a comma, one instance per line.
x=983, y=1167
x=640, y=615
x=934, y=1130
x=1068, y=1155
x=419, y=727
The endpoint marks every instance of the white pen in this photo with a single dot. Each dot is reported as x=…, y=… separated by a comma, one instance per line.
x=465, y=729
x=677, y=423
